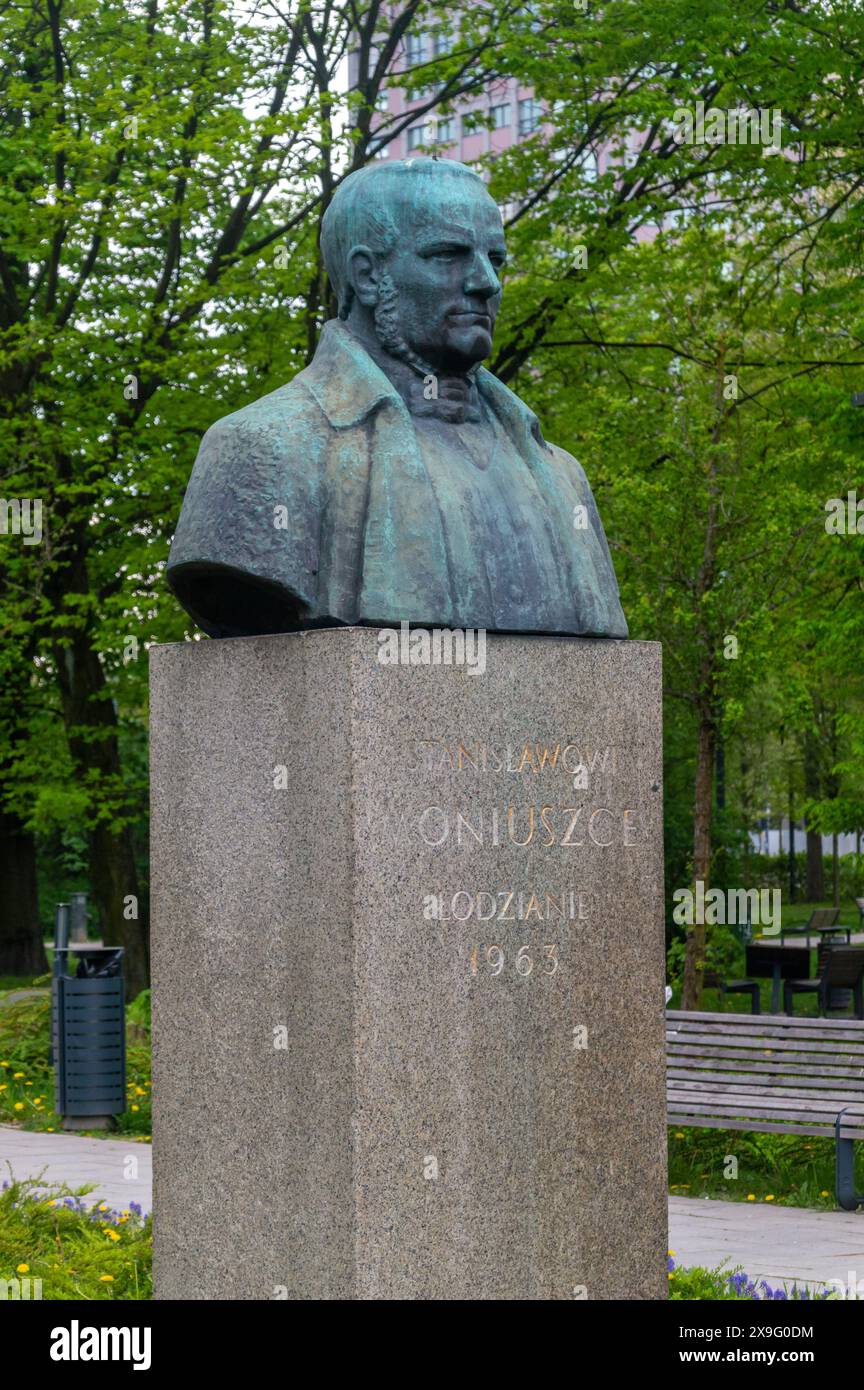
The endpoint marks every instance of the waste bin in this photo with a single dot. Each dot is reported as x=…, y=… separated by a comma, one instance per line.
x=89, y=1033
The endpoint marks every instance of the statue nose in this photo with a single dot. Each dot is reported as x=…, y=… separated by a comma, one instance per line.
x=482, y=279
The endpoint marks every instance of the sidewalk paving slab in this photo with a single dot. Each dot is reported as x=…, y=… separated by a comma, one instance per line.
x=75, y=1159
x=778, y=1244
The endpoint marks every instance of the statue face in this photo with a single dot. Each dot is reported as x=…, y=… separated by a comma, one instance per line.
x=443, y=273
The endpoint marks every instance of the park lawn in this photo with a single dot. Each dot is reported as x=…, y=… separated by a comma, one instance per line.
x=27, y=1077
x=78, y=1250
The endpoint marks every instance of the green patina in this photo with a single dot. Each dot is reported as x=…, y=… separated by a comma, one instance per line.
x=395, y=479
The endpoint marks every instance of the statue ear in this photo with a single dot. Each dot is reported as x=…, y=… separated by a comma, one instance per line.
x=363, y=275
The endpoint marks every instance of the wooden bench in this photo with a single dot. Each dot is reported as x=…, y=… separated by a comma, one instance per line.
x=772, y=1074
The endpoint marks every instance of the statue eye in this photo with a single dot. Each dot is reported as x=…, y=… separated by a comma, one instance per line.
x=447, y=252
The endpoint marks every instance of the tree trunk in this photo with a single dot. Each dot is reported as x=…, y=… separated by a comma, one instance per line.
x=694, y=958
x=835, y=869
x=91, y=727
x=792, y=864
x=815, y=890
x=21, y=948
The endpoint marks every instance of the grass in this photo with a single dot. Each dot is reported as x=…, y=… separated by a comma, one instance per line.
x=783, y=1170
x=724, y=1285
x=27, y=1077
x=77, y=1251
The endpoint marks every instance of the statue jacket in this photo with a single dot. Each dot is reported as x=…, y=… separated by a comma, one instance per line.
x=315, y=506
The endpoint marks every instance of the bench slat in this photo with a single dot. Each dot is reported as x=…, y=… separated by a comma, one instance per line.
x=849, y=1091
x=846, y=1059
x=781, y=1108
x=807, y=1070
x=763, y=1126
x=835, y=1099
x=774, y=1021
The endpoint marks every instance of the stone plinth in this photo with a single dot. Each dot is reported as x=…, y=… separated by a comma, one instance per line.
x=407, y=971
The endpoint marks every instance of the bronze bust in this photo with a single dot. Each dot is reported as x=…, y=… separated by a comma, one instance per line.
x=395, y=478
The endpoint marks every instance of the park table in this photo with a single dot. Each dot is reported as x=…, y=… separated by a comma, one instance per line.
x=777, y=963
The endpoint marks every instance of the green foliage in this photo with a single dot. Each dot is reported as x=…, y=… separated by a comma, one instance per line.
x=783, y=1169
x=27, y=1078
x=138, y=1012
x=25, y=1036
x=77, y=1250
x=718, y=1286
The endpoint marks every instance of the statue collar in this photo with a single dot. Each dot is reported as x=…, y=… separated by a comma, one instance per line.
x=348, y=385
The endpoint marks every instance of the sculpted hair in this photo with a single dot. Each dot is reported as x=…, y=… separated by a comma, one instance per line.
x=360, y=213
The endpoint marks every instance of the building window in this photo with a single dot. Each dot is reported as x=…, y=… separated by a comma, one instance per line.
x=469, y=124
x=381, y=152
x=417, y=136
x=500, y=116
x=441, y=44
x=446, y=132
x=529, y=116
x=382, y=100
x=415, y=49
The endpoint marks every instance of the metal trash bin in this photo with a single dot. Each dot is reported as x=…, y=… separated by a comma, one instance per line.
x=88, y=1019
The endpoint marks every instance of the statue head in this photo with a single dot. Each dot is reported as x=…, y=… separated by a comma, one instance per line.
x=413, y=249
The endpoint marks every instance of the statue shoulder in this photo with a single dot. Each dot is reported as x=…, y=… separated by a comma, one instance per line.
x=567, y=463
x=287, y=419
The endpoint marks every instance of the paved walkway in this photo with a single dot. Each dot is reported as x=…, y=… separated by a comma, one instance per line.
x=780, y=1244
x=774, y=1243
x=75, y=1160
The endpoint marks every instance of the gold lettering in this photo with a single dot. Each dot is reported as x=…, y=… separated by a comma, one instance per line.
x=526, y=757
x=463, y=752
x=577, y=811
x=460, y=821
x=547, y=755
x=601, y=811
x=511, y=811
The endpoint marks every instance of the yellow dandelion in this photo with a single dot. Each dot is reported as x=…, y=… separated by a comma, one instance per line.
x=770, y=1197
x=16, y=1075
x=112, y=1235
x=823, y=1193
x=751, y=1197
x=50, y=1129
x=679, y=1136
x=106, y=1278
x=4, y=1087
x=23, y=1269
x=104, y=1206
x=19, y=1105
x=5, y=1064
x=134, y=1107
x=139, y=1091
x=670, y=1252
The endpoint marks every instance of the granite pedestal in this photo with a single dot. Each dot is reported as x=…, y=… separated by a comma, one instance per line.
x=408, y=971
